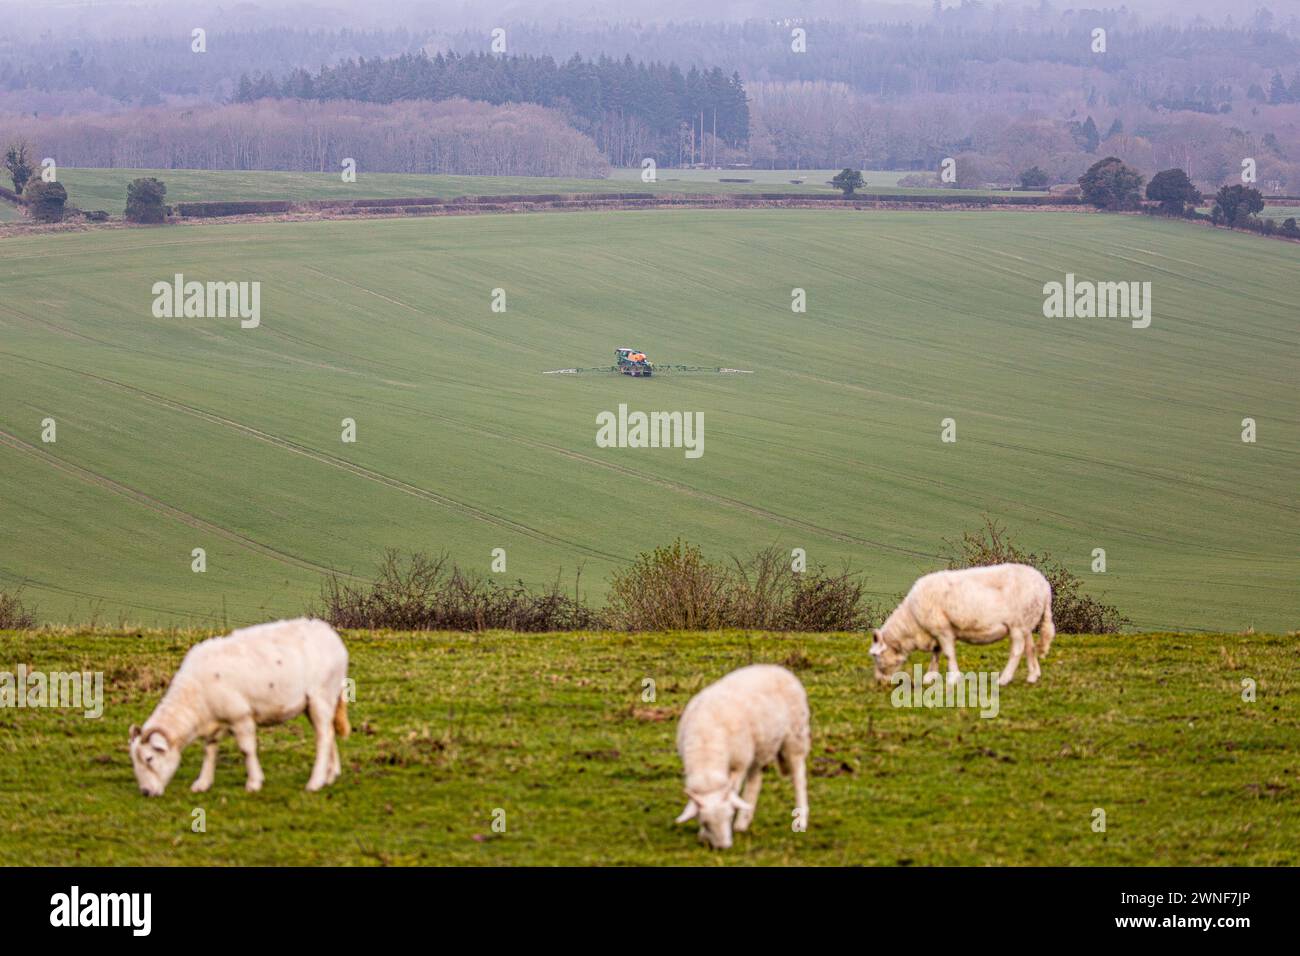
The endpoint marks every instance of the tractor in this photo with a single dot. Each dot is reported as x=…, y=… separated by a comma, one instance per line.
x=633, y=362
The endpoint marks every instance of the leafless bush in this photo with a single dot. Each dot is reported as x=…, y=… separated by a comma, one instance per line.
x=767, y=593
x=14, y=616
x=670, y=588
x=676, y=588
x=1073, y=612
x=424, y=593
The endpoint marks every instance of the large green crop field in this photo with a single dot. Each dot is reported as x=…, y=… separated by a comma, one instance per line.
x=1080, y=434
x=551, y=737
x=106, y=188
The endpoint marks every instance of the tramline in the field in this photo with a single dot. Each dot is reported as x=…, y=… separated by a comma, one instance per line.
x=635, y=363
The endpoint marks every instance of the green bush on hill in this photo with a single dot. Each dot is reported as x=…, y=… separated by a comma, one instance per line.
x=1111, y=184
x=1234, y=205
x=1034, y=178
x=144, y=200
x=847, y=181
x=1174, y=191
x=45, y=200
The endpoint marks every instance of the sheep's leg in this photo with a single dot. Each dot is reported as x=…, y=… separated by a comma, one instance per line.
x=749, y=793
x=1031, y=655
x=245, y=731
x=322, y=718
x=799, y=775
x=336, y=766
x=1017, y=649
x=932, y=672
x=948, y=644
x=209, y=771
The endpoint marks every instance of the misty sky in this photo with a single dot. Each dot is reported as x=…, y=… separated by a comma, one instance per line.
x=150, y=16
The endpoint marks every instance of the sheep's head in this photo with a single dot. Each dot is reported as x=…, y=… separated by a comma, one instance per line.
x=888, y=659
x=155, y=760
x=715, y=811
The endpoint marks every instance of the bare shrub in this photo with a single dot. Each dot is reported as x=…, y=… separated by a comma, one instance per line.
x=822, y=601
x=767, y=593
x=424, y=593
x=1073, y=611
x=670, y=588
x=14, y=616
x=676, y=588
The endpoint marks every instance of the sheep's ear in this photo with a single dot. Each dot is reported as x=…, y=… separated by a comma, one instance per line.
x=740, y=804
x=692, y=808
x=134, y=732
x=158, y=742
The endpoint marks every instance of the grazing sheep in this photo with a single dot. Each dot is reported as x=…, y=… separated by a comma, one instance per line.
x=257, y=675
x=978, y=605
x=728, y=733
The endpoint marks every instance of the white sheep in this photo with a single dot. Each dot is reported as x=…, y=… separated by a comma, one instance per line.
x=257, y=675
x=728, y=733
x=977, y=605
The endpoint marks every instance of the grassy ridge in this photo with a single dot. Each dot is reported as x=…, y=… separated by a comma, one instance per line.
x=553, y=730
x=106, y=188
x=182, y=433
x=766, y=179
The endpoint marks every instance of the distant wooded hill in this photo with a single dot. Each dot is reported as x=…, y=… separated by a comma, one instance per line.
x=630, y=109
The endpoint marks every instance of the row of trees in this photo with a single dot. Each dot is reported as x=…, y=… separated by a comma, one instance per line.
x=816, y=125
x=1111, y=184
x=632, y=110
x=455, y=136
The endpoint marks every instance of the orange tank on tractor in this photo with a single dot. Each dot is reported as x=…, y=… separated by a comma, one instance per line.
x=632, y=362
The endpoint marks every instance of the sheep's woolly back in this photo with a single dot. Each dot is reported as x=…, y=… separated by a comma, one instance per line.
x=249, y=643
x=739, y=721
x=1016, y=594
